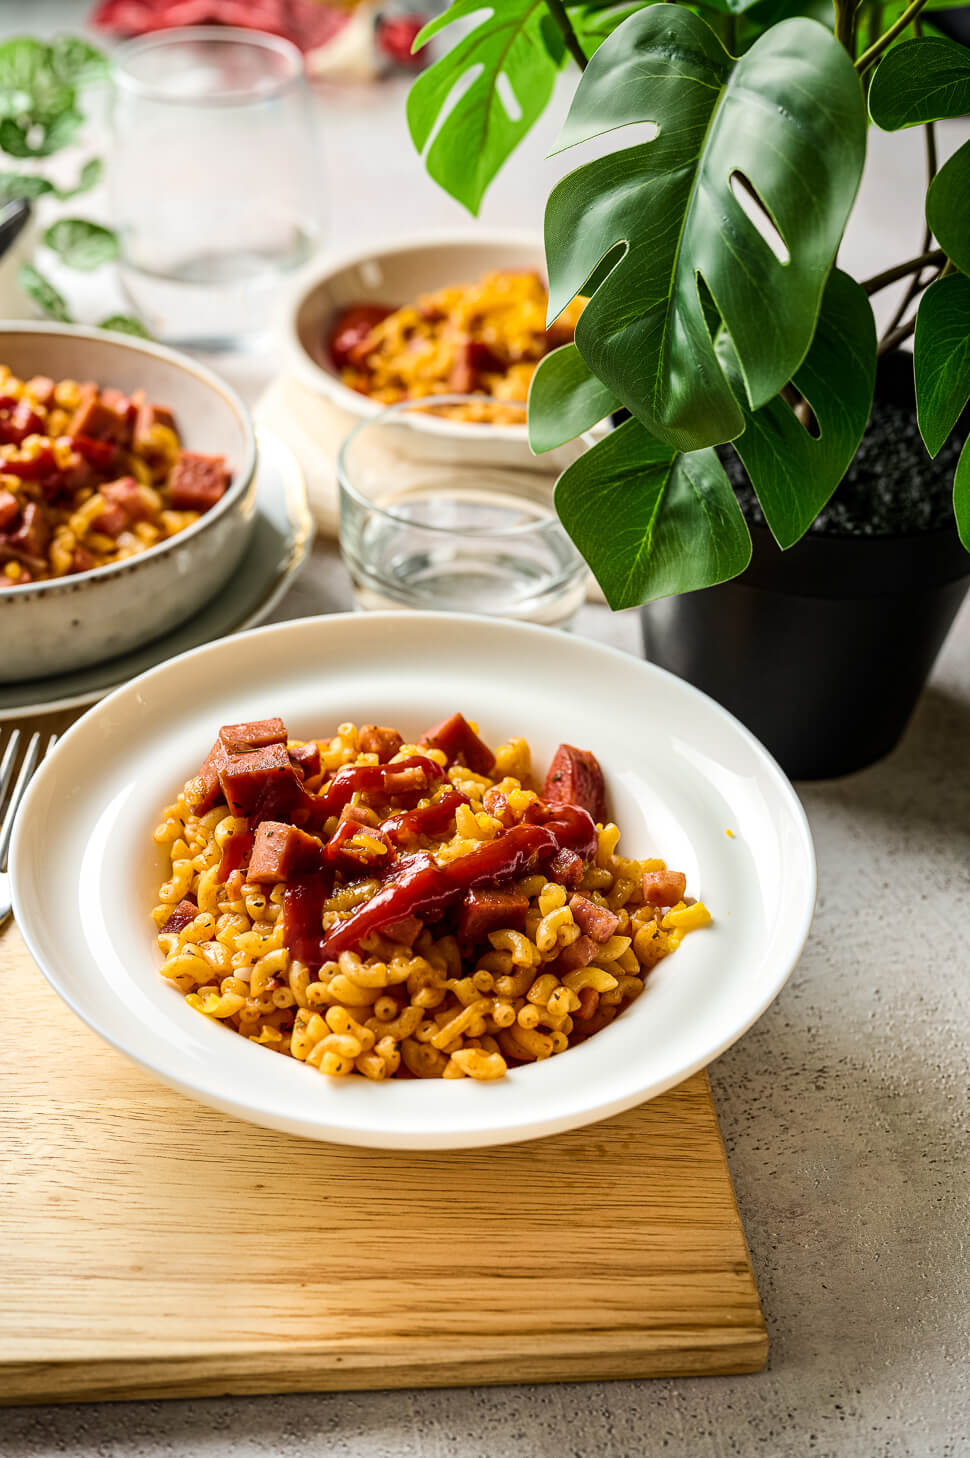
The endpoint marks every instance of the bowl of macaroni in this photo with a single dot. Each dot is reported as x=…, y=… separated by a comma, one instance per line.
x=126, y=491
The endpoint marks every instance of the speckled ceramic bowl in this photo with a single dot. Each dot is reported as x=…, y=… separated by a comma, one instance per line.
x=72, y=622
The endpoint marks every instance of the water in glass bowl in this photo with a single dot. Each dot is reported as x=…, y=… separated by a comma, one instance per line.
x=474, y=548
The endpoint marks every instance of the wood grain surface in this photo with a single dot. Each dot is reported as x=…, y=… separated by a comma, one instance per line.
x=156, y=1248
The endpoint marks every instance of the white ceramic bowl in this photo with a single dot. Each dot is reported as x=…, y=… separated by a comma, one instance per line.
x=68, y=623
x=680, y=773
x=396, y=275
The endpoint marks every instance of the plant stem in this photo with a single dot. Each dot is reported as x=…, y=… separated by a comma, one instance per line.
x=845, y=23
x=890, y=341
x=900, y=270
x=916, y=282
x=558, y=12
x=892, y=337
x=870, y=56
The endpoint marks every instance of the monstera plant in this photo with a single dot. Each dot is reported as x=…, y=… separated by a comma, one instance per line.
x=705, y=241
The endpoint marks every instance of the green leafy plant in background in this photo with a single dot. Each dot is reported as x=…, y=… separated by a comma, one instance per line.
x=707, y=251
x=39, y=116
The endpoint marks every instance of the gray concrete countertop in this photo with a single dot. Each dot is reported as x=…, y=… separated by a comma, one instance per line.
x=845, y=1113
x=845, y=1109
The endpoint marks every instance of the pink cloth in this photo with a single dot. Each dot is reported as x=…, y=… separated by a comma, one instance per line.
x=304, y=22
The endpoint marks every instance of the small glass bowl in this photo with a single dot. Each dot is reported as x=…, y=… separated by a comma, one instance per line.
x=447, y=514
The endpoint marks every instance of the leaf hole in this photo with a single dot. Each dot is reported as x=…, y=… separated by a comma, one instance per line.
x=712, y=314
x=464, y=84
x=508, y=98
x=802, y=410
x=757, y=214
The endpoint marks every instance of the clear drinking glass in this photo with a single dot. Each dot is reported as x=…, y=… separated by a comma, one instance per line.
x=214, y=180
x=457, y=517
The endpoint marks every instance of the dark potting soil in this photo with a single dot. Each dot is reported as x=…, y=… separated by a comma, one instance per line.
x=892, y=485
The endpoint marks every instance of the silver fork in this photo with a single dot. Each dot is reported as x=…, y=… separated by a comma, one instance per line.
x=31, y=760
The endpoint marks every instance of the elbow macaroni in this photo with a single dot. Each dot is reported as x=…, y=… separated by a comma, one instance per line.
x=433, y=1009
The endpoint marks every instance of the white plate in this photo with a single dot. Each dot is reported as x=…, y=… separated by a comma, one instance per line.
x=680, y=772
x=281, y=536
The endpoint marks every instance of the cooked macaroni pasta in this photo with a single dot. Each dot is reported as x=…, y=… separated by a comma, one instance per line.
x=499, y=973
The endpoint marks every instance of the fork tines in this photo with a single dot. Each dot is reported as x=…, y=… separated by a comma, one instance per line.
x=8, y=805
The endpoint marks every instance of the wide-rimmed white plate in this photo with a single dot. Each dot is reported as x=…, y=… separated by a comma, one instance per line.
x=681, y=772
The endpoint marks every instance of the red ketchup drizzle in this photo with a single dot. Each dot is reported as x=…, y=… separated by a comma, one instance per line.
x=302, y=914
x=426, y=819
x=420, y=887
x=353, y=779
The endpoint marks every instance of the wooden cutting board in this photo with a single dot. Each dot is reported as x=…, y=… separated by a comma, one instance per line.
x=155, y=1248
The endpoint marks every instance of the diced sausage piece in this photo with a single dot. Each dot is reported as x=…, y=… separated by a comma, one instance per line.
x=598, y=921
x=246, y=777
x=589, y=1001
x=100, y=453
x=129, y=496
x=40, y=388
x=9, y=509
x=472, y=360
x=663, y=888
x=197, y=482
x=185, y=912
x=280, y=850
x=22, y=421
x=406, y=931
x=112, y=521
x=33, y=533
x=376, y=739
x=305, y=758
x=575, y=778
x=204, y=790
x=458, y=740
x=351, y=331
x=117, y=401
x=82, y=561
x=253, y=734
x=147, y=416
x=566, y=867
x=578, y=954
x=486, y=911
x=98, y=418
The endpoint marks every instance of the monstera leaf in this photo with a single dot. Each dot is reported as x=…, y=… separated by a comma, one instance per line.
x=642, y=227
x=793, y=471
x=499, y=78
x=649, y=520
x=565, y=398
x=941, y=358
x=920, y=80
x=961, y=495
x=948, y=208
x=654, y=528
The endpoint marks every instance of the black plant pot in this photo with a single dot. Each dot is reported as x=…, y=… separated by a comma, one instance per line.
x=822, y=650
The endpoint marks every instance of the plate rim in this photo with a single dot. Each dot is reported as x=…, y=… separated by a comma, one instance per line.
x=302, y=530
x=520, y=1131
